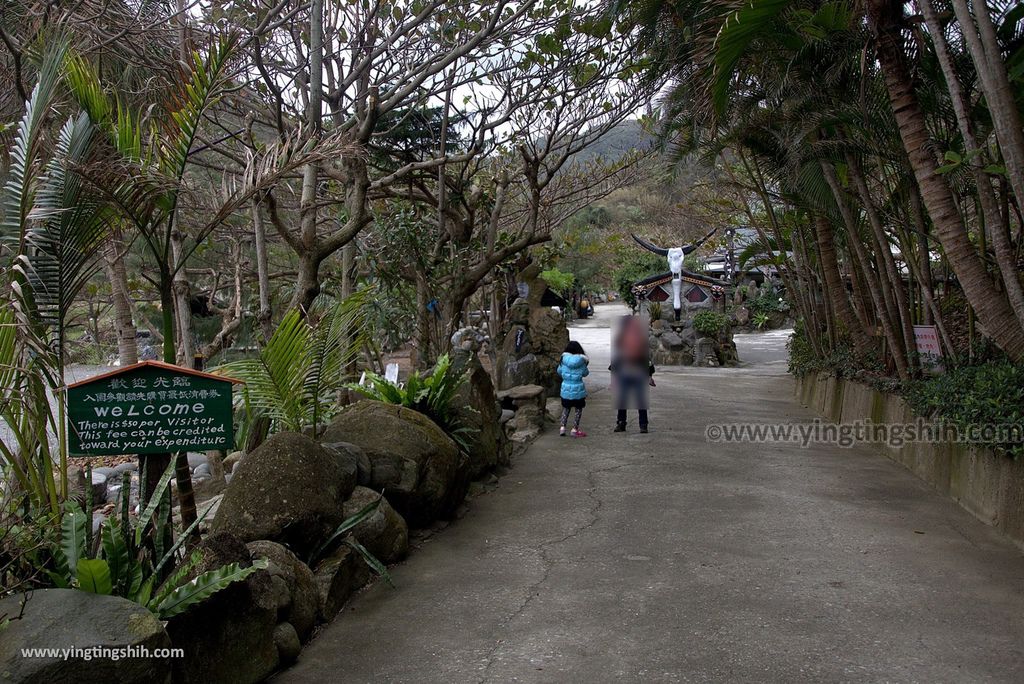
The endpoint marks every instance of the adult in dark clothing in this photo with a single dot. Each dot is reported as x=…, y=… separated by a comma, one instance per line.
x=632, y=371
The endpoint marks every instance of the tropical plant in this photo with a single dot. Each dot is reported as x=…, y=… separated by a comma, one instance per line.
x=760, y=320
x=433, y=394
x=150, y=158
x=654, y=309
x=852, y=132
x=131, y=560
x=54, y=229
x=296, y=377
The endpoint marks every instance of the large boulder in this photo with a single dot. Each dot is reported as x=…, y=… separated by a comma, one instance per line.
x=477, y=408
x=290, y=490
x=672, y=341
x=384, y=533
x=419, y=468
x=520, y=370
x=229, y=637
x=356, y=456
x=337, y=578
x=301, y=608
x=69, y=618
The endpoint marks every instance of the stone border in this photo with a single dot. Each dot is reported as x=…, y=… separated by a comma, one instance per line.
x=987, y=485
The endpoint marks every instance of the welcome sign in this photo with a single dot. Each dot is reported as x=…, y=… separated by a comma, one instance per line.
x=150, y=408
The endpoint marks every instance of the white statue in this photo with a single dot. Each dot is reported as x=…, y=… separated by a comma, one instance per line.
x=675, y=257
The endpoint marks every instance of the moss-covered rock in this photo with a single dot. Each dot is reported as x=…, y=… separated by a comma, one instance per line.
x=229, y=637
x=301, y=608
x=384, y=533
x=69, y=618
x=290, y=490
x=420, y=469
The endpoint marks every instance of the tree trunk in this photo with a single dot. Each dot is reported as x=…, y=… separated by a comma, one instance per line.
x=924, y=256
x=124, y=323
x=994, y=220
x=265, y=316
x=422, y=355
x=308, y=285
x=892, y=274
x=836, y=288
x=182, y=303
x=994, y=312
x=995, y=84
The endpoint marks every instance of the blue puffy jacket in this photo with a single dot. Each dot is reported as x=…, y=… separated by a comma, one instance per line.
x=573, y=369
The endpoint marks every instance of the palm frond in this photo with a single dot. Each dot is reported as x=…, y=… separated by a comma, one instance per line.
x=19, y=190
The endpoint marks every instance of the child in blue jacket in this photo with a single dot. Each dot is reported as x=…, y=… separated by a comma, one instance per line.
x=572, y=369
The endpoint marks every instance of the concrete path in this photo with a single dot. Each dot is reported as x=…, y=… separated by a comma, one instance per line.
x=662, y=558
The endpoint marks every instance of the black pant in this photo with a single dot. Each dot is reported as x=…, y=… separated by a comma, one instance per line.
x=621, y=418
x=632, y=389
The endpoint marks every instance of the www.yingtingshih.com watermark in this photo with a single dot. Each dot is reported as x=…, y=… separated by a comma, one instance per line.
x=858, y=432
x=103, y=653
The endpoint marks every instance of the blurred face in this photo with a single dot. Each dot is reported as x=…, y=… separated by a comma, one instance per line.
x=628, y=327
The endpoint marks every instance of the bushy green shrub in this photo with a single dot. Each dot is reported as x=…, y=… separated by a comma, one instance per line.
x=767, y=303
x=710, y=323
x=840, y=361
x=985, y=394
x=559, y=281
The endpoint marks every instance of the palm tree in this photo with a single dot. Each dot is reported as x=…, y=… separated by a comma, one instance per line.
x=989, y=303
x=57, y=227
x=796, y=79
x=294, y=382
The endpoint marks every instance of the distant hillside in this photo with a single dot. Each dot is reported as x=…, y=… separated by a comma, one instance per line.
x=625, y=137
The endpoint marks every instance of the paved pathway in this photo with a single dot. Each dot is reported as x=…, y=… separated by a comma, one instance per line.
x=628, y=557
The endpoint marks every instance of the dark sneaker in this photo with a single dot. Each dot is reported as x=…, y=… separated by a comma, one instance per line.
x=643, y=429
x=620, y=427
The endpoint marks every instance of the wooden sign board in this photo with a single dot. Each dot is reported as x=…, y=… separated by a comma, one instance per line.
x=150, y=408
x=929, y=350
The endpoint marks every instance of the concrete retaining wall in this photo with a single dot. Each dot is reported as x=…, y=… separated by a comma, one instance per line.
x=988, y=485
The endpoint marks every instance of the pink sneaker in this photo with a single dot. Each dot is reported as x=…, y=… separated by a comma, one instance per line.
x=578, y=433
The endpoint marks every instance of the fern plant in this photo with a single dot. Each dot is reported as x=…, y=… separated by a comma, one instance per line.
x=432, y=394
x=295, y=379
x=130, y=560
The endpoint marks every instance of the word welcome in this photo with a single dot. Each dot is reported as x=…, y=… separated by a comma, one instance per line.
x=150, y=409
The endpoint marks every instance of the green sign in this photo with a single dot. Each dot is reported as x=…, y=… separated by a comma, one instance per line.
x=150, y=408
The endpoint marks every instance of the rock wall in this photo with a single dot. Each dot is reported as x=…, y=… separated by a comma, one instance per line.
x=283, y=502
x=679, y=344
